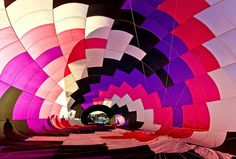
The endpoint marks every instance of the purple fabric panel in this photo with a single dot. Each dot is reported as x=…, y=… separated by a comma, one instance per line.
x=135, y=78
x=3, y=88
x=34, y=108
x=168, y=51
x=180, y=94
x=91, y=94
x=164, y=19
x=176, y=43
x=26, y=75
x=48, y=56
x=86, y=105
x=22, y=106
x=141, y=7
x=177, y=116
x=172, y=47
x=14, y=66
x=36, y=82
x=178, y=70
x=176, y=95
x=154, y=2
x=154, y=84
x=158, y=29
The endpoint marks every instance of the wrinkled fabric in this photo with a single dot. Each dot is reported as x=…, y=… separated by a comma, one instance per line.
x=165, y=144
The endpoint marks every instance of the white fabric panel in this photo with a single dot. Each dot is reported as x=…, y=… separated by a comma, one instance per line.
x=145, y=115
x=211, y=2
x=229, y=40
x=70, y=10
x=228, y=10
x=150, y=127
x=112, y=54
x=221, y=79
x=75, y=121
x=70, y=23
x=94, y=57
x=229, y=92
x=108, y=102
x=68, y=83
x=118, y=40
x=102, y=32
x=115, y=98
x=33, y=14
x=231, y=71
x=4, y=22
x=64, y=112
x=222, y=53
x=95, y=22
x=215, y=21
x=2, y=6
x=222, y=115
x=31, y=21
x=124, y=100
x=71, y=114
x=207, y=139
x=61, y=99
x=135, y=105
x=16, y=11
x=135, y=52
x=78, y=69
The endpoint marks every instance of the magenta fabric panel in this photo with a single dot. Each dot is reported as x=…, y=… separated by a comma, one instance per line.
x=15, y=66
x=22, y=106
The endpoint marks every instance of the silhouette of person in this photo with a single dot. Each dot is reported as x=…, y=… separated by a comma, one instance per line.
x=8, y=126
x=10, y=133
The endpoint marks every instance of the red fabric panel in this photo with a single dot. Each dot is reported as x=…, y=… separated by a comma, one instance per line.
x=193, y=33
x=208, y=60
x=181, y=10
x=196, y=117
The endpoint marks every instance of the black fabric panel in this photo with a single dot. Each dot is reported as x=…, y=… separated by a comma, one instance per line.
x=126, y=15
x=84, y=151
x=155, y=60
x=142, y=67
x=88, y=81
x=106, y=8
x=79, y=111
x=139, y=152
x=96, y=71
x=144, y=39
x=84, y=87
x=127, y=63
x=165, y=78
x=110, y=63
x=8, y=2
x=229, y=145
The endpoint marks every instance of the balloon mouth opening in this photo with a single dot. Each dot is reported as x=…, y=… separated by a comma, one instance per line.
x=98, y=115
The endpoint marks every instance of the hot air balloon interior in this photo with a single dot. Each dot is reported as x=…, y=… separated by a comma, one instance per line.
x=117, y=79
